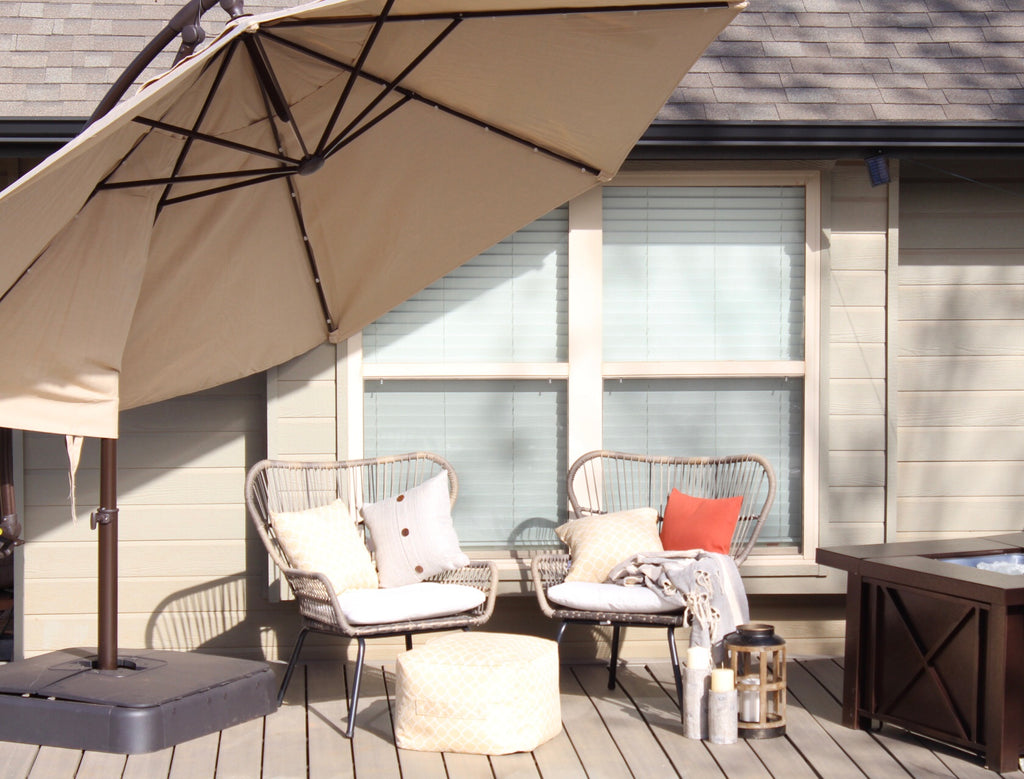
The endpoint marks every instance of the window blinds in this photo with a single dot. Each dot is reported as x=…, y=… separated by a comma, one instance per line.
x=703, y=273
x=508, y=304
x=506, y=440
x=716, y=417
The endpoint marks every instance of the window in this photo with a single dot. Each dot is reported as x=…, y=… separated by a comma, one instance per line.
x=666, y=313
x=711, y=279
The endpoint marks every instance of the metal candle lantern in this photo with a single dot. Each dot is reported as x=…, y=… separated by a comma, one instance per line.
x=758, y=658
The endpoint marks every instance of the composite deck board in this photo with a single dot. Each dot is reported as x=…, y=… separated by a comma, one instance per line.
x=153, y=764
x=16, y=759
x=330, y=753
x=56, y=763
x=241, y=750
x=373, y=747
x=689, y=757
x=870, y=756
x=557, y=759
x=632, y=731
x=638, y=746
x=197, y=757
x=734, y=760
x=100, y=765
x=519, y=765
x=461, y=766
x=599, y=756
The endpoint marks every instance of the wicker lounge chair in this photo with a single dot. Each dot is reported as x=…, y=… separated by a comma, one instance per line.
x=280, y=486
x=603, y=482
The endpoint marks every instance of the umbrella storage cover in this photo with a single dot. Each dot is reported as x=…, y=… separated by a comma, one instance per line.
x=303, y=174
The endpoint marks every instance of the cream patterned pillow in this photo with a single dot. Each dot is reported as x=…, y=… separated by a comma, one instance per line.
x=412, y=534
x=599, y=543
x=326, y=540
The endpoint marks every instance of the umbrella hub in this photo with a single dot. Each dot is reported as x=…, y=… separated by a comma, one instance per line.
x=311, y=164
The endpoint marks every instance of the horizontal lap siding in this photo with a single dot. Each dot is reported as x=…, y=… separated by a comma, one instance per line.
x=191, y=574
x=854, y=501
x=960, y=358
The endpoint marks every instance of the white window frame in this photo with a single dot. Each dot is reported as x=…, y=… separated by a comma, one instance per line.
x=585, y=371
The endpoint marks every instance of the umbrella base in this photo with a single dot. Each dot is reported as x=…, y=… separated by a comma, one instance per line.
x=153, y=700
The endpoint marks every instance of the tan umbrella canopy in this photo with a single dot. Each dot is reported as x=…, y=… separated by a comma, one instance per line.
x=304, y=173
x=297, y=178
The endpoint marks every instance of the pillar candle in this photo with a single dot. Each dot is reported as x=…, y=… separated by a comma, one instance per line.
x=722, y=680
x=698, y=657
x=749, y=700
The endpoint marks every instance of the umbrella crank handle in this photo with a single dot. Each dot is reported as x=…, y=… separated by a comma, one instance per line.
x=102, y=516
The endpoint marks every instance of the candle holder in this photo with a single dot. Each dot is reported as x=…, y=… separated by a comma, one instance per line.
x=758, y=658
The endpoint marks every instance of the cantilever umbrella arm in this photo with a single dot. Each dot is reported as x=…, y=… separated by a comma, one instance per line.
x=184, y=23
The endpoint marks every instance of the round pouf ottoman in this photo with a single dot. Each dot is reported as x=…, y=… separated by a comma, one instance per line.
x=485, y=693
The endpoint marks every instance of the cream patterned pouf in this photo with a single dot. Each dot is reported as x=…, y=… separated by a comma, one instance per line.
x=486, y=693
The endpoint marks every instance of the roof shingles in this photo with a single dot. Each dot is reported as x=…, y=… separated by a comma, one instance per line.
x=863, y=60
x=788, y=60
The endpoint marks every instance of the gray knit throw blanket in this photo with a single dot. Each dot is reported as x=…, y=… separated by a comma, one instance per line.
x=706, y=584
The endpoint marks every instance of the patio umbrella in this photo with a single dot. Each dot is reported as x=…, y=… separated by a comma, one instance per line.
x=297, y=178
x=304, y=173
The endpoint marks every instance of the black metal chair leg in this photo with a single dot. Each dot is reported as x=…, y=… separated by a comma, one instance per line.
x=675, y=665
x=291, y=665
x=355, y=688
x=613, y=665
x=408, y=641
x=561, y=631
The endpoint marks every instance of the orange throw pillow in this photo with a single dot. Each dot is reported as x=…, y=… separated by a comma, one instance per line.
x=700, y=523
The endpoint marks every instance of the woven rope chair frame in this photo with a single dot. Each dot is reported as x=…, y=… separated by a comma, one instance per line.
x=603, y=482
x=280, y=485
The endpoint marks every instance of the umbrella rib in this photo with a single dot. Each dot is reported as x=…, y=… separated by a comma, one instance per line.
x=272, y=94
x=354, y=74
x=229, y=187
x=306, y=243
x=389, y=87
x=341, y=142
x=187, y=145
x=311, y=258
x=196, y=135
x=189, y=179
x=410, y=94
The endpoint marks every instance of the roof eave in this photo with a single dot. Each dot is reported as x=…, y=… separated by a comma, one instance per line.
x=819, y=140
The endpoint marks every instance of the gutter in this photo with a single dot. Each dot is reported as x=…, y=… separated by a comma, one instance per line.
x=819, y=140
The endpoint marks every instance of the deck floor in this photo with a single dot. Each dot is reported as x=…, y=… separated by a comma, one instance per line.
x=633, y=731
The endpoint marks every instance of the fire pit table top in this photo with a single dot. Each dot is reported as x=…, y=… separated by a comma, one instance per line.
x=936, y=564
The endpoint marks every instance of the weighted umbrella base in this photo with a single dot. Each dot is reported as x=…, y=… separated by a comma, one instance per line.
x=153, y=700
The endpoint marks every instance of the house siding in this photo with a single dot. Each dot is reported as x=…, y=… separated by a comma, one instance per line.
x=189, y=567
x=960, y=350
x=854, y=480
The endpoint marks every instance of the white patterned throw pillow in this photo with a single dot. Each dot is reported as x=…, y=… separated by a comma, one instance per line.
x=412, y=534
x=599, y=543
x=326, y=540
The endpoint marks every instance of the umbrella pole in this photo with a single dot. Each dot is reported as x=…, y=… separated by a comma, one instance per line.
x=6, y=471
x=106, y=518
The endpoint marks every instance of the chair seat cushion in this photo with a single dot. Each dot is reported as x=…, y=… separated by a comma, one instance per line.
x=422, y=600
x=591, y=596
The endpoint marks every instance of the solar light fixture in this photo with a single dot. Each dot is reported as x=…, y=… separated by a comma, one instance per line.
x=878, y=169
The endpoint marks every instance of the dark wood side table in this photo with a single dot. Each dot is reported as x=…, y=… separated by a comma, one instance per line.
x=935, y=647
